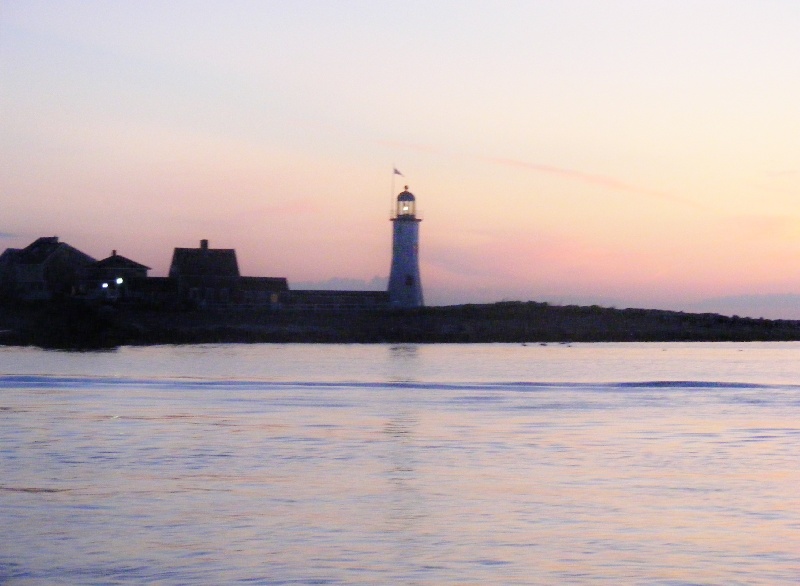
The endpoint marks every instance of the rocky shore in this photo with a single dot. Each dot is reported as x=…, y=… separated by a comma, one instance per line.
x=71, y=325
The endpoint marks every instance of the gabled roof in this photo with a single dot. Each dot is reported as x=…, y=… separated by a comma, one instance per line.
x=117, y=261
x=204, y=261
x=38, y=251
x=9, y=255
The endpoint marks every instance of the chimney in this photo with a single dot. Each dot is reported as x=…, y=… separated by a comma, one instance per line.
x=113, y=253
x=204, y=245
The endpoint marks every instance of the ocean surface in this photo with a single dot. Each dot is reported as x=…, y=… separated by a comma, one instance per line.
x=664, y=464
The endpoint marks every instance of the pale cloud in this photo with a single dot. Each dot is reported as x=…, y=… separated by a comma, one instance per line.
x=766, y=226
x=595, y=179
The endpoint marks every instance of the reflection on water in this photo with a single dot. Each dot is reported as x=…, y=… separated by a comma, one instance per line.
x=412, y=478
x=403, y=363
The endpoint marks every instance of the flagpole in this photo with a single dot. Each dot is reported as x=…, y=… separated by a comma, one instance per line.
x=391, y=195
x=394, y=172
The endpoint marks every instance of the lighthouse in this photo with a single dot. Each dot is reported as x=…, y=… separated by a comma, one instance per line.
x=405, y=287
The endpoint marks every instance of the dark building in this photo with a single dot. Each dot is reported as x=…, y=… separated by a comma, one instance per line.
x=155, y=292
x=200, y=277
x=204, y=262
x=210, y=277
x=8, y=272
x=43, y=270
x=117, y=266
x=260, y=291
x=206, y=276
x=113, y=277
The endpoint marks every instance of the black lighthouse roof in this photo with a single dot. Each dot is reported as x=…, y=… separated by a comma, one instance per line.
x=405, y=195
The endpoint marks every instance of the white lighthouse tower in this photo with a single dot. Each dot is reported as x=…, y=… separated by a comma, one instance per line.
x=405, y=287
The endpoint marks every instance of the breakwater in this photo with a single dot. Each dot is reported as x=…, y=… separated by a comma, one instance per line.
x=74, y=325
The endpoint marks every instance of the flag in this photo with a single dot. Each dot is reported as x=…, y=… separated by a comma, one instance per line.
x=396, y=172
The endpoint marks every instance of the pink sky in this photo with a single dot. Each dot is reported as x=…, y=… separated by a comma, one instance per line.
x=621, y=153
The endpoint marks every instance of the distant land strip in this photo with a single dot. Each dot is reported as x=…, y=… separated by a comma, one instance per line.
x=71, y=325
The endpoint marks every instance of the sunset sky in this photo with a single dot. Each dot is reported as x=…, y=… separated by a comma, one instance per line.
x=624, y=153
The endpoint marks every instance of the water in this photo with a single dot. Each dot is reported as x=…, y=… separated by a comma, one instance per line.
x=345, y=464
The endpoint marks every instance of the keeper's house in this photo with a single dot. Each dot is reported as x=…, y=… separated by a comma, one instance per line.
x=209, y=277
x=113, y=278
x=44, y=270
x=201, y=278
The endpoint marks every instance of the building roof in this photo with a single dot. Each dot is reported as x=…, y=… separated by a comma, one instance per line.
x=38, y=251
x=9, y=255
x=405, y=196
x=204, y=261
x=117, y=261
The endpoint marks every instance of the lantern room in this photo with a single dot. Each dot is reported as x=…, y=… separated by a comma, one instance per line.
x=406, y=205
